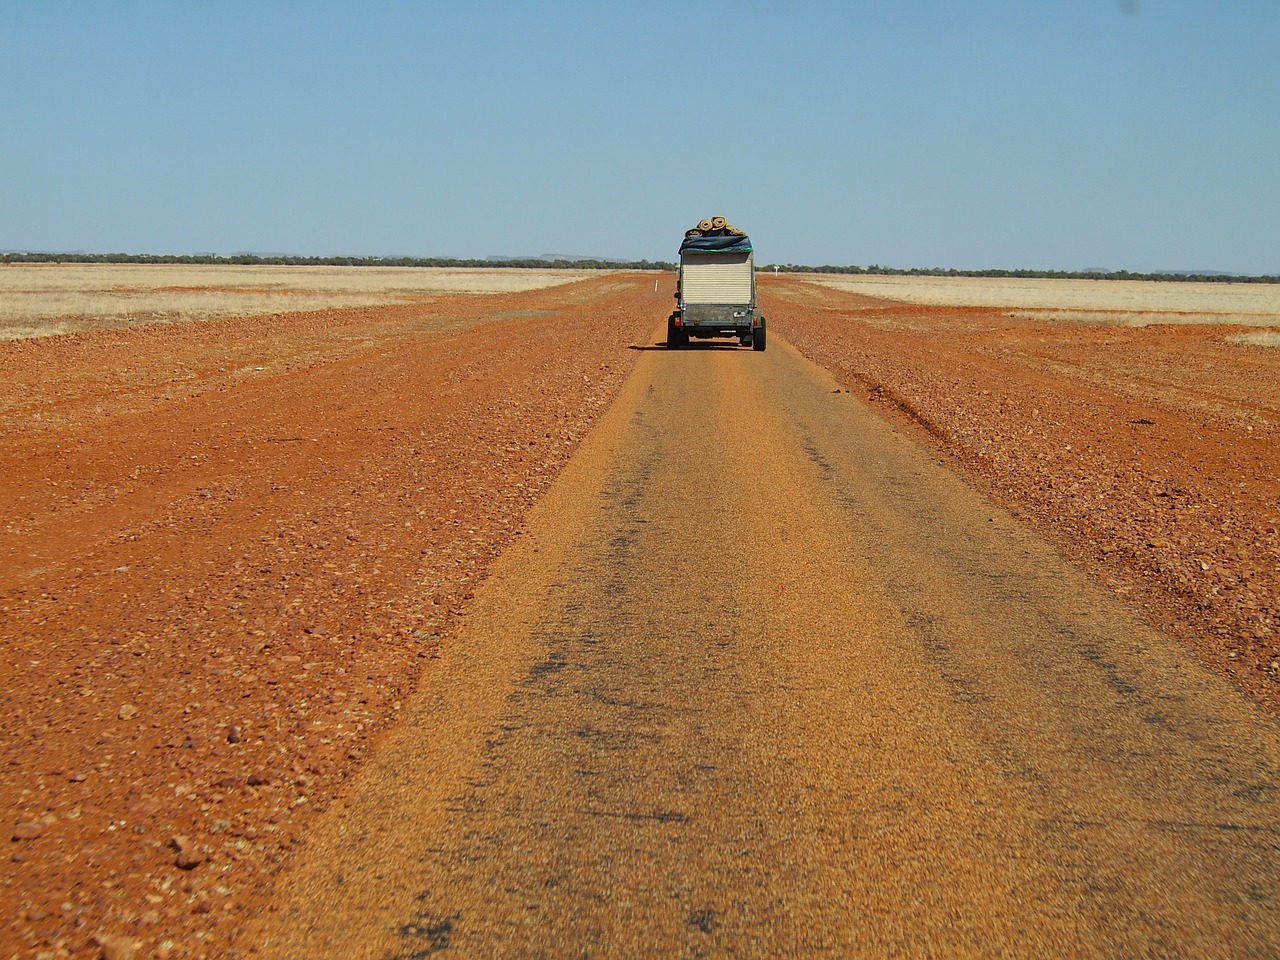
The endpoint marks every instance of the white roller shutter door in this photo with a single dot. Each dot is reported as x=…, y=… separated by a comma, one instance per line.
x=716, y=278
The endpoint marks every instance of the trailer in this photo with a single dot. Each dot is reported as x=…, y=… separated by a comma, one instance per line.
x=716, y=289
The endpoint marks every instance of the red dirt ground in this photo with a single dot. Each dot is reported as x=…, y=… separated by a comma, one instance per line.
x=230, y=549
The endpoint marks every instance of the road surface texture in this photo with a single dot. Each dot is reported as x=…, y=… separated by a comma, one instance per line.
x=761, y=679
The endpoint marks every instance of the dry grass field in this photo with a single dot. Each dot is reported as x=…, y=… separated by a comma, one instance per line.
x=44, y=299
x=1131, y=303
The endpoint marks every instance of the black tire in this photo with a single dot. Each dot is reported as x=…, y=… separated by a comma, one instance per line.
x=757, y=338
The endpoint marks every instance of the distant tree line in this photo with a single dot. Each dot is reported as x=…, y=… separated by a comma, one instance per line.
x=878, y=270
x=534, y=263
x=254, y=259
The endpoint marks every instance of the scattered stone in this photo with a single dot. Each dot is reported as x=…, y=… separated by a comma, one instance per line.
x=128, y=711
x=27, y=831
x=233, y=734
x=188, y=857
x=227, y=783
x=256, y=780
x=115, y=947
x=141, y=807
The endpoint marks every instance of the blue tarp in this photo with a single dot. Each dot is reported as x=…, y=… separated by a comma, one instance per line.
x=725, y=244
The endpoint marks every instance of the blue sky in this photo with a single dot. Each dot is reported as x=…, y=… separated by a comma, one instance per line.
x=1129, y=134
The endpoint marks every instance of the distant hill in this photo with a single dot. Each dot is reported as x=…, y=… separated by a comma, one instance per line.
x=1198, y=273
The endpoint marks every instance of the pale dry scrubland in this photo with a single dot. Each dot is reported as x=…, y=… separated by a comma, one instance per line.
x=43, y=299
x=1130, y=303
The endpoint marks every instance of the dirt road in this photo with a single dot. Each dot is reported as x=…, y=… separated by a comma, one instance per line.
x=787, y=687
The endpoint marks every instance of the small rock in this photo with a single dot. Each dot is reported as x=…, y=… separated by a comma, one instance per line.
x=115, y=947
x=256, y=780
x=188, y=857
x=127, y=711
x=233, y=734
x=27, y=831
x=227, y=783
x=141, y=808
x=76, y=778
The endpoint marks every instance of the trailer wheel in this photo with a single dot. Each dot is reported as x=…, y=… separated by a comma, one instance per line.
x=676, y=336
x=757, y=338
